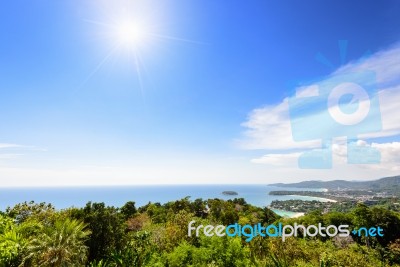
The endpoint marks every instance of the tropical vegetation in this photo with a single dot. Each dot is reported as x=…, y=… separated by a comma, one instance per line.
x=97, y=235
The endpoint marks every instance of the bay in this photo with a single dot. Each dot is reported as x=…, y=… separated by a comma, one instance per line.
x=64, y=197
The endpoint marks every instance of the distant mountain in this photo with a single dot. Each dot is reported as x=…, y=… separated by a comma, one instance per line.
x=387, y=183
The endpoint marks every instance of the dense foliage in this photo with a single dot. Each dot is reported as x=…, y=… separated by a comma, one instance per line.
x=33, y=234
x=297, y=205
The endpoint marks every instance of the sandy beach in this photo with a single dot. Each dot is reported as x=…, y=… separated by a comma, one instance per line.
x=314, y=198
x=288, y=214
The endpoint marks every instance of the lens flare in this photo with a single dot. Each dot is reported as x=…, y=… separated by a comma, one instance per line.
x=130, y=34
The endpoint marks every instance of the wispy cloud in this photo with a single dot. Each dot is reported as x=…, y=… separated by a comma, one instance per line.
x=390, y=156
x=9, y=151
x=287, y=160
x=269, y=128
x=14, y=151
x=6, y=145
x=10, y=156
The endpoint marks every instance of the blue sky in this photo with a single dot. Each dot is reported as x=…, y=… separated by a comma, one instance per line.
x=81, y=105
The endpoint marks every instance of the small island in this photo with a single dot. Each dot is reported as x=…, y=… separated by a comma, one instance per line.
x=230, y=193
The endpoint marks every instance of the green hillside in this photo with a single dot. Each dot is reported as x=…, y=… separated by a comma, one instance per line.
x=387, y=183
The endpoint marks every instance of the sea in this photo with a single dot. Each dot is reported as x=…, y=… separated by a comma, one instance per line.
x=65, y=197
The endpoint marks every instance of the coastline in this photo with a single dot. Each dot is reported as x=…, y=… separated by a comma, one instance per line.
x=293, y=214
x=321, y=199
x=288, y=214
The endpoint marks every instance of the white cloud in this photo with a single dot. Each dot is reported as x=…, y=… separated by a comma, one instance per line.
x=389, y=105
x=289, y=159
x=390, y=156
x=269, y=127
x=385, y=64
x=307, y=91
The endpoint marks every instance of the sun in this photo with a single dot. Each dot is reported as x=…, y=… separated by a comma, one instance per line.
x=130, y=34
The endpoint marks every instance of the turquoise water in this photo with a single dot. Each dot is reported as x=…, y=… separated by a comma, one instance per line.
x=63, y=197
